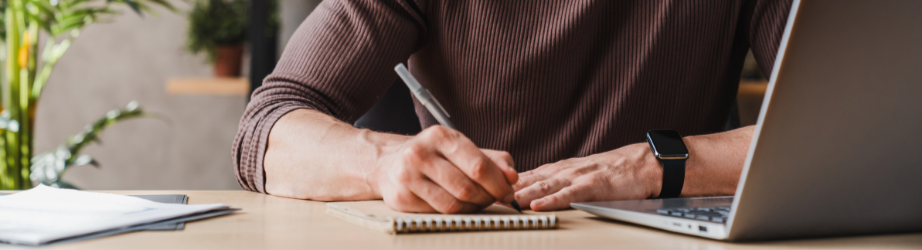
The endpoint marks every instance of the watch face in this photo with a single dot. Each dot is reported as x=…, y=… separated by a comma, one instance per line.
x=667, y=143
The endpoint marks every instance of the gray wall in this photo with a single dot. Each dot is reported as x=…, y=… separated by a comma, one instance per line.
x=293, y=12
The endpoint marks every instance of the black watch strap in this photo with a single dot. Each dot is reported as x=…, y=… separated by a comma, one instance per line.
x=673, y=178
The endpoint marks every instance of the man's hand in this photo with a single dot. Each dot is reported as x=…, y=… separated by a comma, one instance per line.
x=633, y=173
x=441, y=170
x=627, y=173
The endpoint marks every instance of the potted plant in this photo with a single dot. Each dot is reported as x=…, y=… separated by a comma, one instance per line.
x=218, y=28
x=27, y=67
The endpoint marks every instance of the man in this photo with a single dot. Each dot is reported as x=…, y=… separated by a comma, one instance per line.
x=551, y=100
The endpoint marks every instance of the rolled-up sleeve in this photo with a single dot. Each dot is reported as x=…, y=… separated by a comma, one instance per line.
x=338, y=62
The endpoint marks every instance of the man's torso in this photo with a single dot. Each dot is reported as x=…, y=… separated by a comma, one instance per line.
x=551, y=80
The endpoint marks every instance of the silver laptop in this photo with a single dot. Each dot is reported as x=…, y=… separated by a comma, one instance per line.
x=837, y=149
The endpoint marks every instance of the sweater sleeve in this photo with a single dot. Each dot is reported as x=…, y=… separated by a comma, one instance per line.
x=766, y=28
x=338, y=62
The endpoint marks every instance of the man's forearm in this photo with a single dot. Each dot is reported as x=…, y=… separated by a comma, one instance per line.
x=716, y=162
x=311, y=155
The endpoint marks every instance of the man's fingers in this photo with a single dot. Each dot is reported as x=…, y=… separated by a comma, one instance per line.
x=439, y=199
x=461, y=152
x=526, y=179
x=557, y=201
x=504, y=161
x=406, y=201
x=450, y=178
x=540, y=189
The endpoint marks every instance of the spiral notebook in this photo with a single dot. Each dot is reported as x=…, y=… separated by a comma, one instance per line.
x=378, y=216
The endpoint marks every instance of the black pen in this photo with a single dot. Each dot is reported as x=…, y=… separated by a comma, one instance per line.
x=434, y=107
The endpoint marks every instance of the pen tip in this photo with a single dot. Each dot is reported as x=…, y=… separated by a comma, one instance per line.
x=515, y=205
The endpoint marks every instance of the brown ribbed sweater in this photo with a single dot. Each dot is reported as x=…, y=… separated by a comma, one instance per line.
x=545, y=80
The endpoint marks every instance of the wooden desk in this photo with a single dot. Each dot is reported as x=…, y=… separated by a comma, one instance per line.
x=269, y=222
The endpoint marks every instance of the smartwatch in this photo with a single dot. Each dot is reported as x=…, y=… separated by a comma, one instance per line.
x=670, y=150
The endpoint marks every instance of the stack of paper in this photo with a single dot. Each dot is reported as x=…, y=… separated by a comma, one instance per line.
x=44, y=214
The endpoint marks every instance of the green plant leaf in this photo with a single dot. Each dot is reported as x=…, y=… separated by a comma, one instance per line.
x=217, y=22
x=85, y=160
x=62, y=21
x=134, y=6
x=39, y=21
x=164, y=4
x=49, y=167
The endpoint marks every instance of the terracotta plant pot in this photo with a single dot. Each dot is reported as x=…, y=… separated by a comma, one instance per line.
x=227, y=60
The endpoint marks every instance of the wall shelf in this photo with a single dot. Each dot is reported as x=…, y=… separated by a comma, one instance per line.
x=208, y=86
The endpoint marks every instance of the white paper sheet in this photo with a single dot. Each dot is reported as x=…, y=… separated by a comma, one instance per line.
x=44, y=214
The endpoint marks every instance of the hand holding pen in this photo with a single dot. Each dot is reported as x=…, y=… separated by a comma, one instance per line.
x=467, y=173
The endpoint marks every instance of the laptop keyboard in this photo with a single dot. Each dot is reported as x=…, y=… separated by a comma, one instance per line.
x=714, y=214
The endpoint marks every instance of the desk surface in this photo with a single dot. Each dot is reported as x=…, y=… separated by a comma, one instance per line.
x=269, y=222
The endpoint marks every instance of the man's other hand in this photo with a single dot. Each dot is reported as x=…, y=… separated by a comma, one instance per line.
x=441, y=170
x=627, y=173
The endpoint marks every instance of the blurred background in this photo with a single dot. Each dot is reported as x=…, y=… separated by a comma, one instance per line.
x=132, y=57
x=198, y=97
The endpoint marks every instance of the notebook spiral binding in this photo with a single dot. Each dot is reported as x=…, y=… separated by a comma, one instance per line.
x=474, y=223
